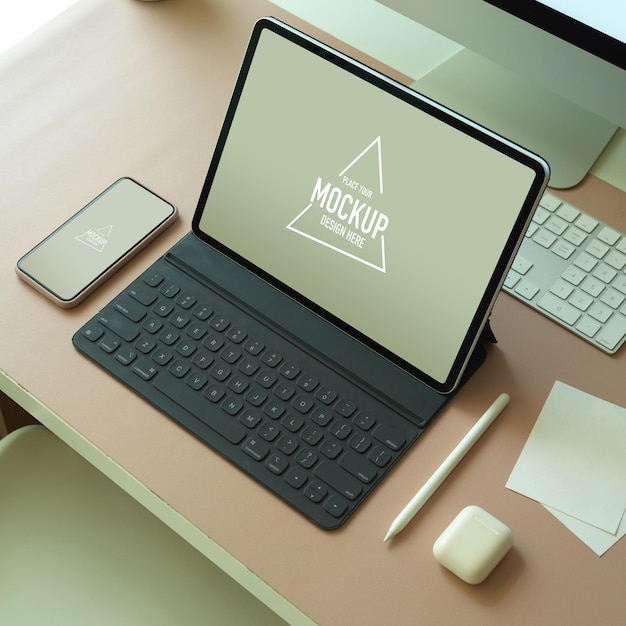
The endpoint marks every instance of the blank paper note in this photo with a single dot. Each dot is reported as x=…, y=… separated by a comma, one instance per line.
x=575, y=460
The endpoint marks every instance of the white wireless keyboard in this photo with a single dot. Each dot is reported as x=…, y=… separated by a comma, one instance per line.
x=572, y=268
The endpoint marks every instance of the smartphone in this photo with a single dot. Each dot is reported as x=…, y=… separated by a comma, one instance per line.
x=93, y=244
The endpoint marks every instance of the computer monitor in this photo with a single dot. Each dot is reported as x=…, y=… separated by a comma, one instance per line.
x=548, y=74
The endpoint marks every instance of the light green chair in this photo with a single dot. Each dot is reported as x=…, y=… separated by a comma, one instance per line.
x=76, y=549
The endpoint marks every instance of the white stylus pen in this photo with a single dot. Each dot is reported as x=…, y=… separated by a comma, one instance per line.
x=442, y=472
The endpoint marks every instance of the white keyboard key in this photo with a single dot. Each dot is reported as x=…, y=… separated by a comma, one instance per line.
x=574, y=275
x=592, y=286
x=544, y=238
x=588, y=326
x=556, y=225
x=616, y=259
x=521, y=264
x=597, y=249
x=531, y=230
x=562, y=289
x=550, y=202
x=540, y=216
x=568, y=212
x=621, y=246
x=613, y=332
x=605, y=273
x=575, y=235
x=526, y=289
x=581, y=300
x=608, y=235
x=558, y=308
x=585, y=262
x=613, y=298
x=587, y=223
x=563, y=249
x=600, y=312
x=512, y=278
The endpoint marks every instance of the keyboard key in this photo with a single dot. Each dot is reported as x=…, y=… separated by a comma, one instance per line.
x=169, y=337
x=587, y=223
x=93, y=331
x=277, y=463
x=563, y=249
x=202, y=312
x=390, y=436
x=600, y=312
x=335, y=506
x=585, y=262
x=145, y=369
x=326, y=395
x=574, y=275
x=592, y=286
x=287, y=444
x=588, y=326
x=544, y=238
x=559, y=308
x=358, y=467
x=568, y=212
x=379, y=456
x=512, y=278
x=331, y=449
x=315, y=491
x=581, y=300
x=562, y=289
x=186, y=301
x=556, y=225
x=541, y=215
x=120, y=325
x=521, y=264
x=613, y=298
x=609, y=236
x=549, y=202
x=616, y=259
x=153, y=279
x=597, y=249
x=365, y=420
x=303, y=404
x=256, y=449
x=143, y=294
x=339, y=479
x=360, y=442
x=605, y=273
x=109, y=344
x=345, y=408
x=126, y=356
x=613, y=332
x=526, y=289
x=290, y=370
x=296, y=477
x=575, y=236
x=306, y=458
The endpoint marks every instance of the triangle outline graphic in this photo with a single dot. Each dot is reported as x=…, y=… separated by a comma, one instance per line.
x=291, y=226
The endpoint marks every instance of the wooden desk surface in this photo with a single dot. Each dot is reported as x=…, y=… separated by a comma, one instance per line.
x=139, y=89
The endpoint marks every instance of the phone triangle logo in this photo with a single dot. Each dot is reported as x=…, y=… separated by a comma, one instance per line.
x=343, y=210
x=96, y=239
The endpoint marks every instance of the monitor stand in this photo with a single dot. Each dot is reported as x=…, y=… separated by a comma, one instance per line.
x=567, y=136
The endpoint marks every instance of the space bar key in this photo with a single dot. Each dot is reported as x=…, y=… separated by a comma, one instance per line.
x=201, y=408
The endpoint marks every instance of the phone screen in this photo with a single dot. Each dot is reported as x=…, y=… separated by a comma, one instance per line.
x=77, y=256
